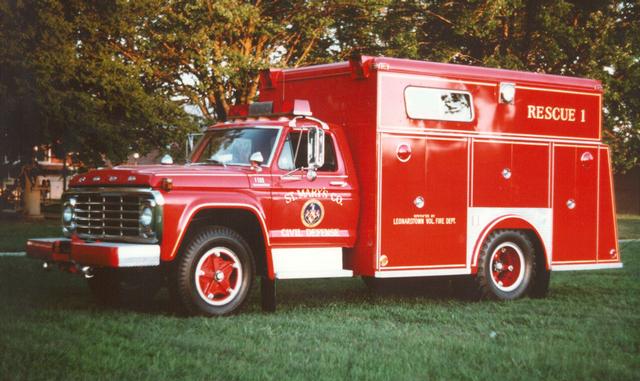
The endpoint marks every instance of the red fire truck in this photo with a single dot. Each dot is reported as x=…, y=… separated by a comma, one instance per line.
x=376, y=167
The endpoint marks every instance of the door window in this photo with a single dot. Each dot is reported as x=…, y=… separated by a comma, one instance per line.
x=294, y=153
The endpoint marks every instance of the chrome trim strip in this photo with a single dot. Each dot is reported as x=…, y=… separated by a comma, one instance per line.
x=417, y=273
x=594, y=266
x=133, y=255
x=121, y=191
x=308, y=262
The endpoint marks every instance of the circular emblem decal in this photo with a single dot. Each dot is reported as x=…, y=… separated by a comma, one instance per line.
x=312, y=213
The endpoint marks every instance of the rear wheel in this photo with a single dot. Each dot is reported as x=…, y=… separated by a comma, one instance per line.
x=505, y=265
x=214, y=273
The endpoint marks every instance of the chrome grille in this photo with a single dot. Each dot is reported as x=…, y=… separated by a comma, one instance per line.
x=108, y=215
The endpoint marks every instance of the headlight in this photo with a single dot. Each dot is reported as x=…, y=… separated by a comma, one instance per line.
x=67, y=214
x=146, y=216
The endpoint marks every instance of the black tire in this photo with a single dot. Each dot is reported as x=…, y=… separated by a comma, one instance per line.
x=221, y=260
x=506, y=265
x=540, y=284
x=126, y=287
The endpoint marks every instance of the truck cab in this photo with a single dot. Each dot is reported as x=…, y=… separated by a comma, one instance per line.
x=275, y=197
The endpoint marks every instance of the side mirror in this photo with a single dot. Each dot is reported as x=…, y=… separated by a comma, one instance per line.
x=312, y=174
x=315, y=148
x=256, y=159
x=166, y=159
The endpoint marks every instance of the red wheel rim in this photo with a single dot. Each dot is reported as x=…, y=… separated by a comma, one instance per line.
x=507, y=267
x=218, y=276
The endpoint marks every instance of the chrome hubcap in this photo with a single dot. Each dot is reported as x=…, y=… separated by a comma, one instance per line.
x=507, y=267
x=218, y=276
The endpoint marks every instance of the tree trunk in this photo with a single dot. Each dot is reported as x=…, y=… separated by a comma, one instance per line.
x=64, y=170
x=32, y=198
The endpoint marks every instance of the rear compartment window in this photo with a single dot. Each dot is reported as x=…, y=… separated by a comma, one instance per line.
x=438, y=104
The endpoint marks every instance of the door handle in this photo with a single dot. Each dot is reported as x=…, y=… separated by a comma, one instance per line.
x=290, y=177
x=338, y=183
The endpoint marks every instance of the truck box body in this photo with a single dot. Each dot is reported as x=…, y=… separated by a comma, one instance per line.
x=537, y=162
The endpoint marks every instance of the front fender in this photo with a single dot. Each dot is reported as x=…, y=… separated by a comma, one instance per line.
x=180, y=207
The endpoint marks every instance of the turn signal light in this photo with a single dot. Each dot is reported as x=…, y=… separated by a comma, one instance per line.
x=166, y=184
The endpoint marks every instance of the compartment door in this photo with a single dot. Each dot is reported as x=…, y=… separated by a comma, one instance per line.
x=403, y=180
x=607, y=237
x=575, y=204
x=424, y=203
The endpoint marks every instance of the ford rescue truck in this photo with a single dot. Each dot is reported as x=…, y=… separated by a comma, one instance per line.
x=376, y=167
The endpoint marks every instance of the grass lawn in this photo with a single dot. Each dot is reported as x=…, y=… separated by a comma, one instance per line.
x=588, y=328
x=628, y=226
x=14, y=234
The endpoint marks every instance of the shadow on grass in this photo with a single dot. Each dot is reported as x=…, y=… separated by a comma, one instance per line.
x=25, y=286
x=71, y=293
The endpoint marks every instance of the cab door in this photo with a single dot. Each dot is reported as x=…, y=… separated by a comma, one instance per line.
x=311, y=212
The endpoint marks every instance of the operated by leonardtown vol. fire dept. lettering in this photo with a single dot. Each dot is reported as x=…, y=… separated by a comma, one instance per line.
x=424, y=219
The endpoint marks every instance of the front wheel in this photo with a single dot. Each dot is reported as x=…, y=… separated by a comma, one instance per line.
x=214, y=273
x=505, y=265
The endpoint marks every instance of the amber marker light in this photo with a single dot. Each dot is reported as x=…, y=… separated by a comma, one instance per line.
x=166, y=184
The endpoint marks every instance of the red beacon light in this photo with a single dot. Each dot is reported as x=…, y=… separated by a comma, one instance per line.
x=295, y=107
x=239, y=111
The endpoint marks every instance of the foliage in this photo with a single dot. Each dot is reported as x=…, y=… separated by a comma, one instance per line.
x=209, y=53
x=111, y=76
x=62, y=83
x=596, y=39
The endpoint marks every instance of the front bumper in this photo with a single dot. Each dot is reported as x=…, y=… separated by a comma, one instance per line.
x=94, y=254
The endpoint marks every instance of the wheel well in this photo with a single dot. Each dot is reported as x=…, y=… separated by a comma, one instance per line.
x=516, y=223
x=243, y=222
x=541, y=255
x=530, y=231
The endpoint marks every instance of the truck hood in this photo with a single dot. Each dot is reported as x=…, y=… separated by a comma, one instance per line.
x=182, y=176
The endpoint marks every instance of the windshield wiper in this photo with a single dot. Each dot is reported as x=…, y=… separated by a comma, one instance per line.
x=291, y=172
x=216, y=162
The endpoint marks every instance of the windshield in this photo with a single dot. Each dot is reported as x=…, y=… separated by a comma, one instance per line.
x=234, y=146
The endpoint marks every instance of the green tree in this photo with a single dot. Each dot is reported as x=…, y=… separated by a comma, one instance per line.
x=62, y=83
x=209, y=53
x=597, y=39
x=107, y=77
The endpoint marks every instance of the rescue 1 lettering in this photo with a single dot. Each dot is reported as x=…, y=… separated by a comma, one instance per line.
x=554, y=113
